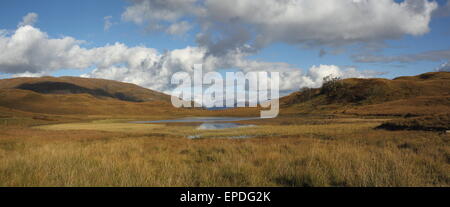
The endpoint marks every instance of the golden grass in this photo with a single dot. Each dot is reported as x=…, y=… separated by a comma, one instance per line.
x=308, y=154
x=111, y=127
x=86, y=141
x=422, y=105
x=437, y=122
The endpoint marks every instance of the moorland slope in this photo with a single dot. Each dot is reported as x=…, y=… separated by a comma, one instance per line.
x=424, y=94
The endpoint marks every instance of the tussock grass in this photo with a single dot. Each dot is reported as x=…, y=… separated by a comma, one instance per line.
x=335, y=154
x=112, y=127
x=438, y=122
x=90, y=143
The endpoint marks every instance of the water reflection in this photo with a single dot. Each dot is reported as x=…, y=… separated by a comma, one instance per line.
x=215, y=126
x=199, y=119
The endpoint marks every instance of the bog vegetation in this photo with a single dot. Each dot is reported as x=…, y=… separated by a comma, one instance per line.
x=357, y=132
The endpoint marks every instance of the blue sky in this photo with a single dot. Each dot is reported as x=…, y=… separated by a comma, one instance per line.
x=85, y=20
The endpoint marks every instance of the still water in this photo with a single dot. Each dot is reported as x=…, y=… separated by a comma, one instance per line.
x=208, y=123
x=199, y=119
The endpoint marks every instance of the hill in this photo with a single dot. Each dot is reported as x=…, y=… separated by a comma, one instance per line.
x=92, y=86
x=424, y=94
x=80, y=96
x=74, y=96
x=437, y=122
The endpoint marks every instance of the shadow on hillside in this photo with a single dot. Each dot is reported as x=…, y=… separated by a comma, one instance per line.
x=68, y=88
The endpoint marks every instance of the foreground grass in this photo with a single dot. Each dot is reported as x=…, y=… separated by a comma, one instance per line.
x=335, y=154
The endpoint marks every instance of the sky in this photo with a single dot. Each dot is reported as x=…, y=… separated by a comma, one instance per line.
x=146, y=41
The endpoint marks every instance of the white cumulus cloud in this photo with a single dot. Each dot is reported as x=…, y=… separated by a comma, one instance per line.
x=30, y=50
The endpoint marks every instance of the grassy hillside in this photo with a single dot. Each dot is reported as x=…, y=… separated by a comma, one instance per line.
x=427, y=93
x=80, y=136
x=79, y=96
x=77, y=85
x=438, y=122
x=85, y=104
x=424, y=94
x=82, y=97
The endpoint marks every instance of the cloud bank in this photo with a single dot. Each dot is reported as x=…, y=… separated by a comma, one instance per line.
x=227, y=32
x=248, y=25
x=28, y=51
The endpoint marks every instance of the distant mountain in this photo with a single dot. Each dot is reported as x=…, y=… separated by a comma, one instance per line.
x=427, y=93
